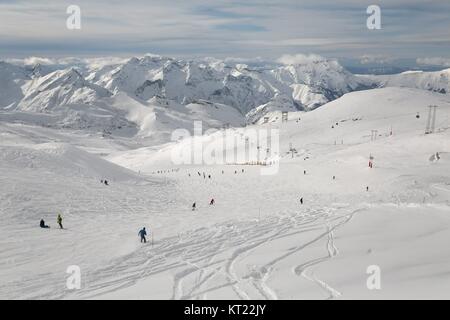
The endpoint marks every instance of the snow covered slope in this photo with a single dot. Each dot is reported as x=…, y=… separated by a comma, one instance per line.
x=438, y=81
x=64, y=160
x=257, y=241
x=157, y=118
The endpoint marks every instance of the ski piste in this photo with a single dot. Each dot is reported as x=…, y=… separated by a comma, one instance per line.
x=257, y=241
x=224, y=150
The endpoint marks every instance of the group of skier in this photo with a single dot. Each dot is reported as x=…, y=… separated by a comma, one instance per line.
x=143, y=232
x=58, y=220
x=211, y=202
x=209, y=176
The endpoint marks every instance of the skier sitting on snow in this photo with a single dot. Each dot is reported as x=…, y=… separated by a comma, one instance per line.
x=42, y=224
x=142, y=233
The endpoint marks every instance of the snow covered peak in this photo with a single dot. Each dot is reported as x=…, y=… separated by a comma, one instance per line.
x=60, y=88
x=326, y=75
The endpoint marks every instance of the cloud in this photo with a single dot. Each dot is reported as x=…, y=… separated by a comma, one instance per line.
x=224, y=27
x=67, y=61
x=300, y=59
x=375, y=59
x=435, y=61
x=38, y=60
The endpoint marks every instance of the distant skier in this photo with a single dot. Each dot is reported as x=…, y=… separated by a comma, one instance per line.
x=222, y=172
x=334, y=177
x=142, y=233
x=242, y=170
x=194, y=206
x=106, y=183
x=304, y=172
x=209, y=176
x=367, y=188
x=42, y=224
x=59, y=221
x=438, y=157
x=212, y=202
x=301, y=200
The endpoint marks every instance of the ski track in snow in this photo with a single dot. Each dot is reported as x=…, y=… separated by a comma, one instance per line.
x=199, y=250
x=196, y=257
x=332, y=251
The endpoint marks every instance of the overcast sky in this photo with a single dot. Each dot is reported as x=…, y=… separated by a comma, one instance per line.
x=222, y=28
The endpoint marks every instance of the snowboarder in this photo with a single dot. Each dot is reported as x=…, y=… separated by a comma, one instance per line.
x=194, y=206
x=301, y=200
x=59, y=221
x=211, y=202
x=142, y=233
x=42, y=224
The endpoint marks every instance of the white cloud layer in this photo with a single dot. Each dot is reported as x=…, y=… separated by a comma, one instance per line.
x=435, y=61
x=375, y=59
x=300, y=59
x=222, y=28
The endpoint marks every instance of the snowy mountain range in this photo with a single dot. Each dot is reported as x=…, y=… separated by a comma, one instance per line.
x=257, y=241
x=152, y=95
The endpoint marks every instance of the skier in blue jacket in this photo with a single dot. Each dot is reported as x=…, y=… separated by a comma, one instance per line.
x=142, y=233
